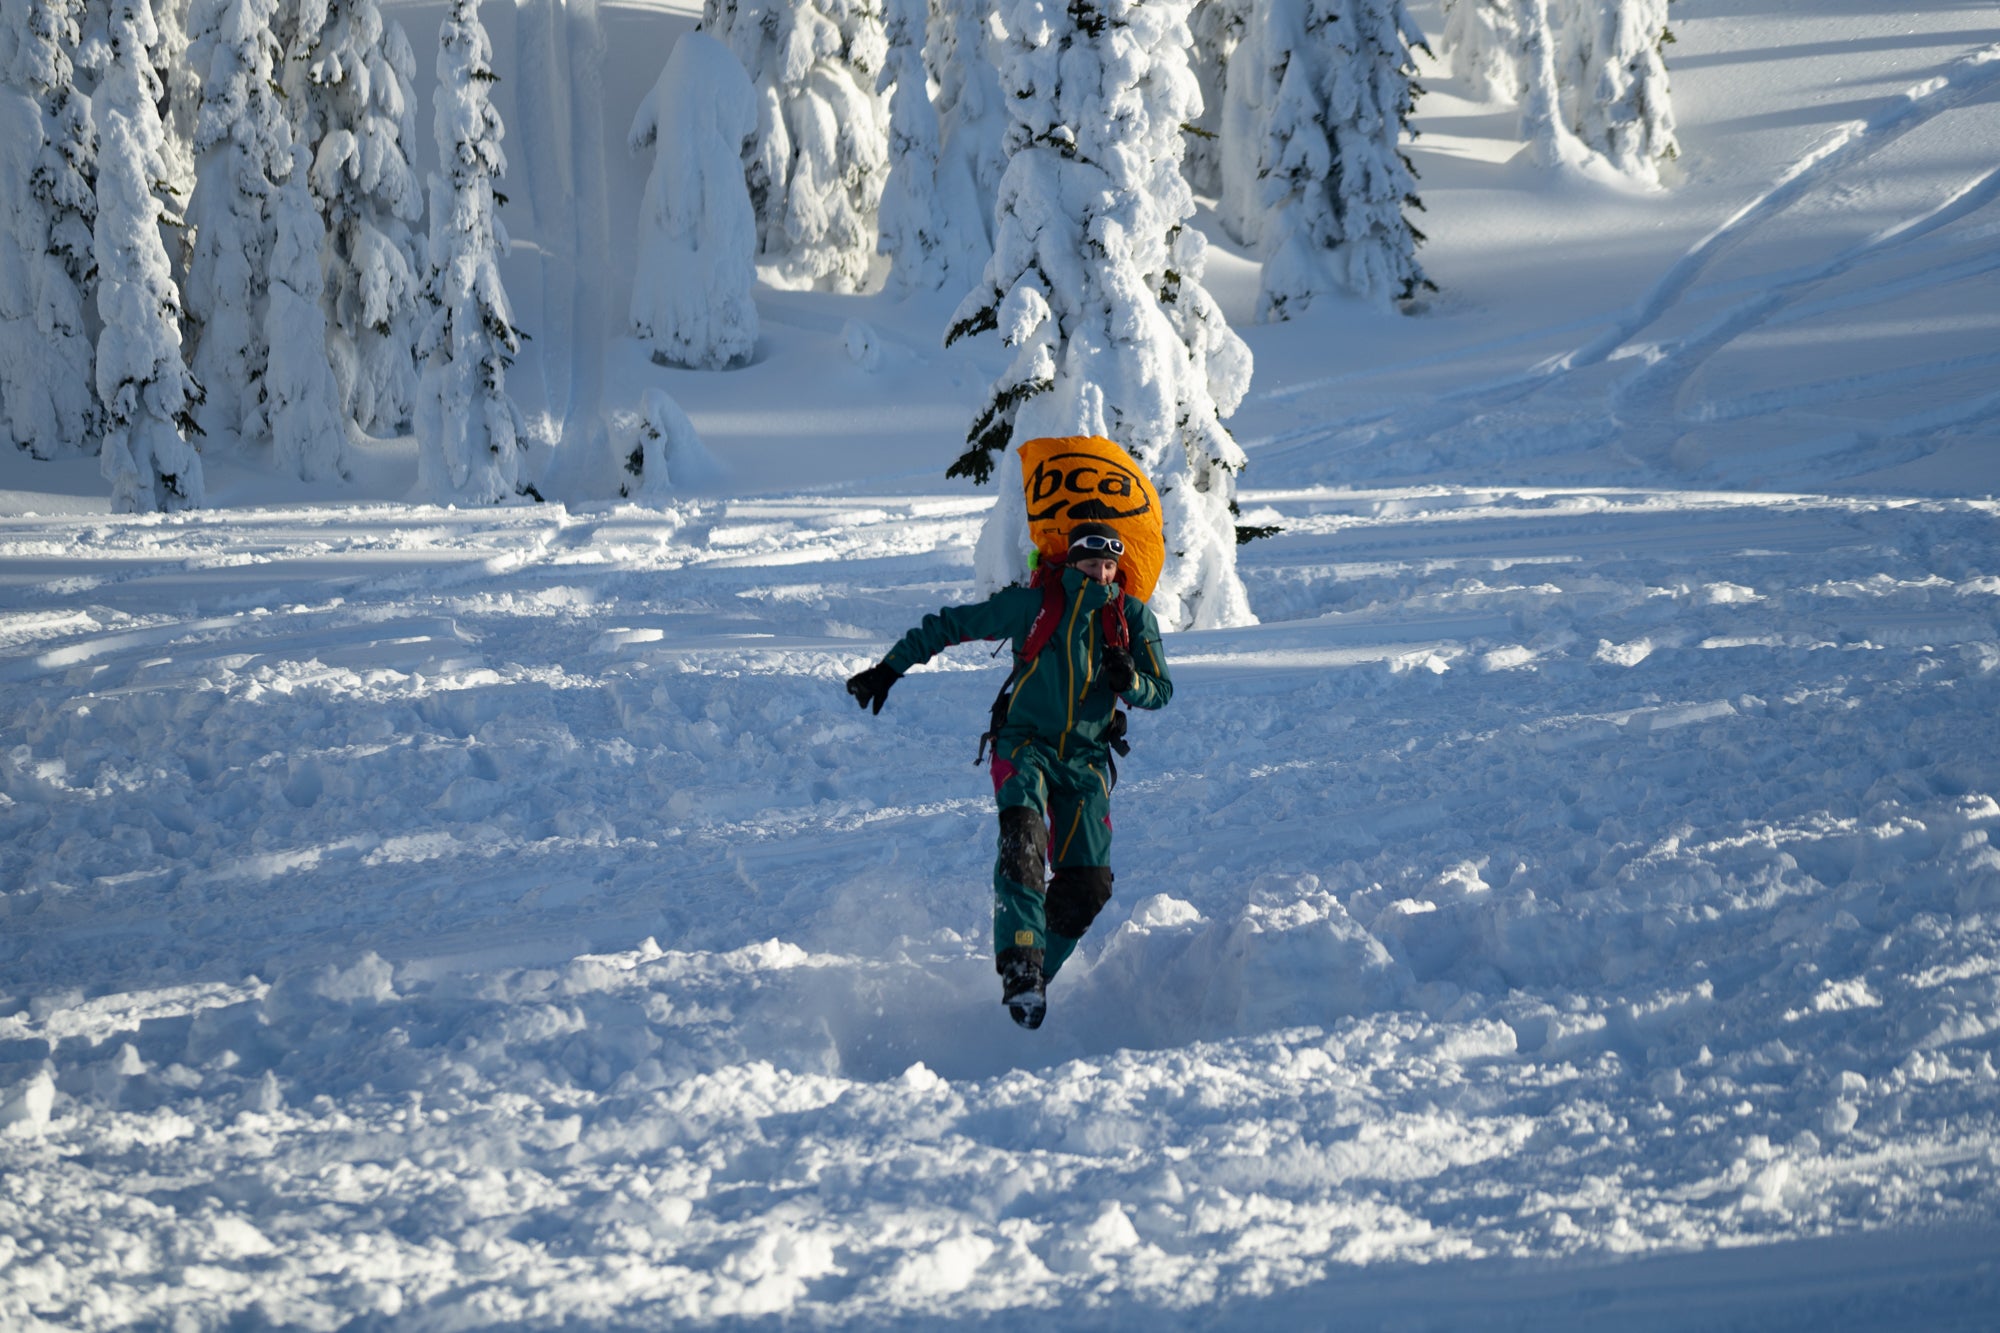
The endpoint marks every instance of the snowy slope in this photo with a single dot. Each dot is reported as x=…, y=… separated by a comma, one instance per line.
x=1575, y=904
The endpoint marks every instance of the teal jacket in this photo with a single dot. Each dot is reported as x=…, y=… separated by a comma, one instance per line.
x=1060, y=698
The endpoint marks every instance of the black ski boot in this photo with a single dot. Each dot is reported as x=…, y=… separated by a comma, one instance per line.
x=1022, y=989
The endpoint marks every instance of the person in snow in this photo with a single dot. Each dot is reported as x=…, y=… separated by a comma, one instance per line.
x=1081, y=646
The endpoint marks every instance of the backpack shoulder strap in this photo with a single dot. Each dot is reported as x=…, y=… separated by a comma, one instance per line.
x=1049, y=579
x=1117, y=633
x=1040, y=630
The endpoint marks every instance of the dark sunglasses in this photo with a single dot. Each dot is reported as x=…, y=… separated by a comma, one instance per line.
x=1092, y=542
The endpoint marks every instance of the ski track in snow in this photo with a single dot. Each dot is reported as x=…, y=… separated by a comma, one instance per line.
x=500, y=918
x=1846, y=148
x=1658, y=384
x=1647, y=409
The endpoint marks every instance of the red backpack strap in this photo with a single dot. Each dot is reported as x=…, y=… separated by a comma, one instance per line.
x=1043, y=627
x=1040, y=630
x=1117, y=634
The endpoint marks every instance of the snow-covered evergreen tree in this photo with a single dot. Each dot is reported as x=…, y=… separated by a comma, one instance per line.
x=47, y=147
x=914, y=230
x=1483, y=39
x=669, y=459
x=145, y=388
x=1590, y=76
x=243, y=144
x=349, y=77
x=1261, y=54
x=302, y=400
x=179, y=109
x=1545, y=124
x=1095, y=282
x=959, y=46
x=1622, y=108
x=469, y=438
x=691, y=298
x=1249, y=88
x=821, y=155
x=1217, y=27
x=1573, y=32
x=1334, y=180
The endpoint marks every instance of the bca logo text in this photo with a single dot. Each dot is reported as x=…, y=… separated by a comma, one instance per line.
x=1085, y=487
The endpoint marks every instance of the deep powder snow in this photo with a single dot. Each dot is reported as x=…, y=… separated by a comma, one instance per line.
x=1573, y=905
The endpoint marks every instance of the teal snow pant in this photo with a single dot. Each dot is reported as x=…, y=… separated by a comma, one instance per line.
x=1055, y=812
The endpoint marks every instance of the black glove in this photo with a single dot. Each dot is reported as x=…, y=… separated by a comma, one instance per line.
x=872, y=686
x=1119, y=673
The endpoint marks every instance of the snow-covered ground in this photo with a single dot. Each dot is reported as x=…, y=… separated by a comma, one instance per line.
x=1574, y=906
